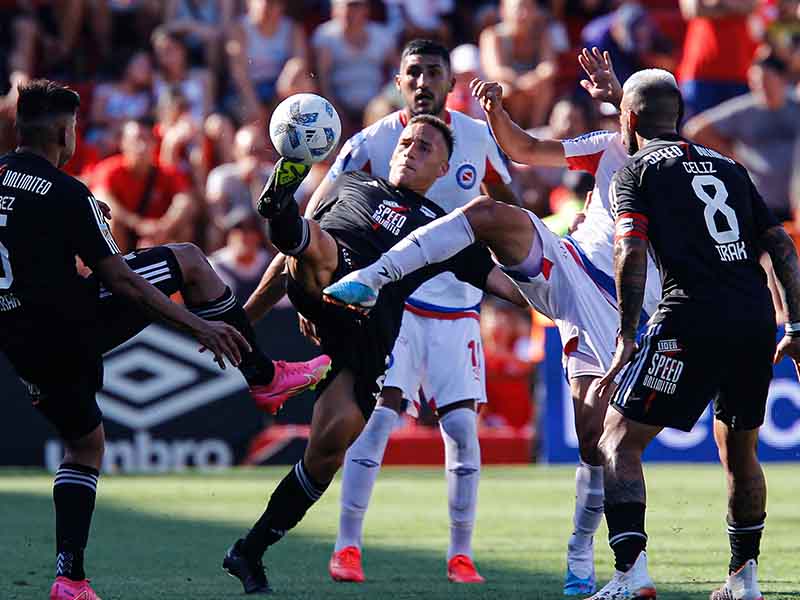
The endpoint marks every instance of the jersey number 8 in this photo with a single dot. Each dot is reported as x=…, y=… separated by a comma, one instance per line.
x=715, y=204
x=7, y=277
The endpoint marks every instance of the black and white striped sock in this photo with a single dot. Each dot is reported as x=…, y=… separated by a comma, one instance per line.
x=256, y=367
x=745, y=540
x=74, y=491
x=287, y=506
x=626, y=534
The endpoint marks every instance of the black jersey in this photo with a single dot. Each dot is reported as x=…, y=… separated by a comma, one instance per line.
x=47, y=218
x=368, y=215
x=703, y=218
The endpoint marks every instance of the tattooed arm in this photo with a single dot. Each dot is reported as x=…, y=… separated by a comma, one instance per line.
x=630, y=273
x=780, y=247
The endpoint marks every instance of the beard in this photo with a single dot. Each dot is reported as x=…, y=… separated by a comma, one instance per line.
x=630, y=142
x=436, y=108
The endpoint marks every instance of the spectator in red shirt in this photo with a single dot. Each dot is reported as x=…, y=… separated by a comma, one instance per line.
x=717, y=52
x=151, y=203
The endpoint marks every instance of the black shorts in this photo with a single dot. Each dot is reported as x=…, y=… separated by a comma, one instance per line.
x=358, y=343
x=60, y=362
x=679, y=369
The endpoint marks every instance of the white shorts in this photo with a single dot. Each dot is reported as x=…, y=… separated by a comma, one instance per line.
x=443, y=357
x=585, y=314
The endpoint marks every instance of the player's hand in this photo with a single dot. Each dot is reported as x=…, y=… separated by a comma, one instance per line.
x=626, y=348
x=308, y=329
x=222, y=340
x=488, y=93
x=579, y=218
x=602, y=84
x=789, y=346
x=105, y=209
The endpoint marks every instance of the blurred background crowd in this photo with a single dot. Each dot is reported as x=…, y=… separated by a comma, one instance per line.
x=177, y=94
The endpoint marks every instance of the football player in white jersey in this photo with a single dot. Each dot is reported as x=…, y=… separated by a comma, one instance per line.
x=568, y=279
x=439, y=346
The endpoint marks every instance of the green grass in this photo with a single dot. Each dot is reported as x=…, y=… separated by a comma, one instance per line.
x=162, y=538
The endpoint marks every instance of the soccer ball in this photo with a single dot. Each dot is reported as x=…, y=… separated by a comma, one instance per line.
x=305, y=128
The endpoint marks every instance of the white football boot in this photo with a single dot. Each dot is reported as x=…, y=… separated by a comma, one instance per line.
x=633, y=584
x=742, y=585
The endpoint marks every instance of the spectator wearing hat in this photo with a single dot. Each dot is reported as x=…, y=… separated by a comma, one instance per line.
x=759, y=129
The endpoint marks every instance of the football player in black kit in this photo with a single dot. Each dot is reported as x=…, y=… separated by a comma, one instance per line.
x=55, y=325
x=363, y=217
x=712, y=338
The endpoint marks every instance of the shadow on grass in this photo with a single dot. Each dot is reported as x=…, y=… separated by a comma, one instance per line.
x=144, y=556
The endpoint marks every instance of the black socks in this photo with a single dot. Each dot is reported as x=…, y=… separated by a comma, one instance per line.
x=256, y=367
x=289, y=231
x=74, y=492
x=745, y=539
x=626, y=534
x=295, y=494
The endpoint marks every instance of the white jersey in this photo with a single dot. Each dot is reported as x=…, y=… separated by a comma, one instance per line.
x=476, y=159
x=601, y=153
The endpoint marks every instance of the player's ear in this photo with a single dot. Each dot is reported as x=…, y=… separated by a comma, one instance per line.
x=397, y=81
x=62, y=136
x=444, y=167
x=633, y=121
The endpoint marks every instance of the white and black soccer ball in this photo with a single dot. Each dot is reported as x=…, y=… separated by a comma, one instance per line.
x=305, y=128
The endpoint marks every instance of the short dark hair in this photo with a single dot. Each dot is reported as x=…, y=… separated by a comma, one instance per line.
x=443, y=127
x=39, y=104
x=420, y=46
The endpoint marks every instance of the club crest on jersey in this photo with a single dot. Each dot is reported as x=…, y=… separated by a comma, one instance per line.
x=466, y=176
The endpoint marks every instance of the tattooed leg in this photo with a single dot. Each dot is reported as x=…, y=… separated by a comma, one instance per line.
x=747, y=492
x=621, y=446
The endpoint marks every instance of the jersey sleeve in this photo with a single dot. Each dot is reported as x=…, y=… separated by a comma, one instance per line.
x=90, y=233
x=584, y=152
x=628, y=204
x=496, y=162
x=354, y=156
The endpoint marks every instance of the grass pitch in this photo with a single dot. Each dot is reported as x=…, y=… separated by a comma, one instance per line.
x=163, y=537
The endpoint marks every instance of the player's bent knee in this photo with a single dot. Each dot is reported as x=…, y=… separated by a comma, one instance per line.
x=481, y=213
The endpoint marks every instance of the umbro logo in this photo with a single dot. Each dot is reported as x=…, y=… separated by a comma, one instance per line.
x=366, y=462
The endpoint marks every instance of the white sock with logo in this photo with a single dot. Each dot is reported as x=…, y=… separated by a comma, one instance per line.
x=589, y=497
x=361, y=465
x=462, y=458
x=434, y=243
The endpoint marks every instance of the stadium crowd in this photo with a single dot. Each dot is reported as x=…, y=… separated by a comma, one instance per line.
x=176, y=97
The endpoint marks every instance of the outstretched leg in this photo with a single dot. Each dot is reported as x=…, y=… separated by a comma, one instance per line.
x=336, y=422
x=507, y=230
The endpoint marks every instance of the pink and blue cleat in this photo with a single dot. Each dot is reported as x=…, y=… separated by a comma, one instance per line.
x=290, y=379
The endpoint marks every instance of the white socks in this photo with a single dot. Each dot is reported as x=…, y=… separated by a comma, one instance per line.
x=462, y=468
x=361, y=465
x=588, y=514
x=434, y=243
